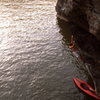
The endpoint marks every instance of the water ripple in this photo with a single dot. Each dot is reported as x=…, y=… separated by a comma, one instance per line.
x=34, y=62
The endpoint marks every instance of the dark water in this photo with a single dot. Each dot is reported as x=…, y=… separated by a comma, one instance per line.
x=35, y=61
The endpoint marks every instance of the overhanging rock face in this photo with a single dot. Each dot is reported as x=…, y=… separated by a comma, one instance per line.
x=84, y=16
x=84, y=13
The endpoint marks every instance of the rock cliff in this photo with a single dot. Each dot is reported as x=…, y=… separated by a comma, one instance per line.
x=84, y=17
x=84, y=13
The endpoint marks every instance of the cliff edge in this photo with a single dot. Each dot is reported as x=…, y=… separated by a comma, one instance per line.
x=84, y=18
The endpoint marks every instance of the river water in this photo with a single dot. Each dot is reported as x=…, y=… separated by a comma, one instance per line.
x=35, y=61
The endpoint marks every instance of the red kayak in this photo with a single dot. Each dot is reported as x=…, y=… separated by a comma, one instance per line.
x=86, y=88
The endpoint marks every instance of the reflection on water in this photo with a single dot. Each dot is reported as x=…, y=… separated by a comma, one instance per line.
x=35, y=62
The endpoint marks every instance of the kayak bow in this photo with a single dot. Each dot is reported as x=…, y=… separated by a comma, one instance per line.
x=86, y=88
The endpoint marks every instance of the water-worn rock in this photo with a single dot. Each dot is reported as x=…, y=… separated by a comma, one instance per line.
x=84, y=13
x=84, y=16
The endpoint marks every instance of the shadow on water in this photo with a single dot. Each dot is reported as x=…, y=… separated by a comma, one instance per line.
x=66, y=31
x=90, y=51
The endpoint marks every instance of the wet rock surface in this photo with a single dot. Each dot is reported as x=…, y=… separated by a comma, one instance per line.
x=84, y=19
